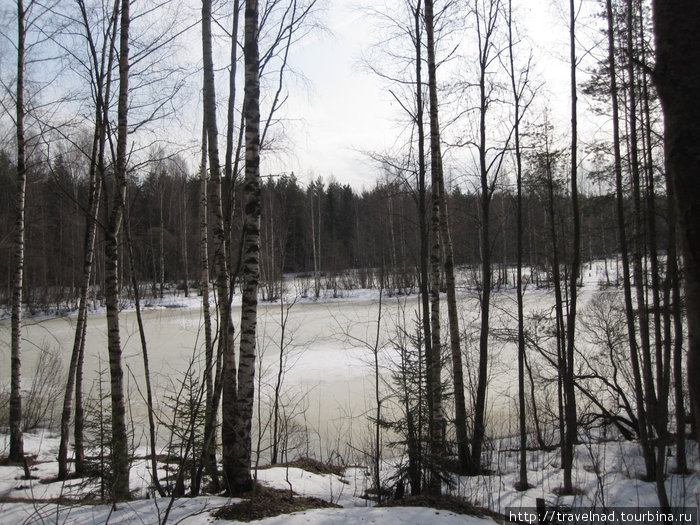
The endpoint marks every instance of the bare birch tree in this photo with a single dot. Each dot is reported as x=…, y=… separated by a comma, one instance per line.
x=120, y=453
x=101, y=62
x=16, y=439
x=238, y=472
x=436, y=447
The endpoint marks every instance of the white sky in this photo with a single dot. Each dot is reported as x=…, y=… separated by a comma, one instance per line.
x=346, y=110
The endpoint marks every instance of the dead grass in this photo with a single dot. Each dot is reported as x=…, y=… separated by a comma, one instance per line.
x=265, y=502
x=312, y=465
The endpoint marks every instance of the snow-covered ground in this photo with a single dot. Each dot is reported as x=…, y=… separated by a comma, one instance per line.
x=35, y=500
x=606, y=476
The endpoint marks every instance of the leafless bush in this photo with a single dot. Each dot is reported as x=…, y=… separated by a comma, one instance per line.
x=44, y=392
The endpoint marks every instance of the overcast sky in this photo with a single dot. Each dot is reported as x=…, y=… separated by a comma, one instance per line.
x=345, y=110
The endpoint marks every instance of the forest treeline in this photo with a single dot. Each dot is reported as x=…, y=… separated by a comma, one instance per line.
x=358, y=232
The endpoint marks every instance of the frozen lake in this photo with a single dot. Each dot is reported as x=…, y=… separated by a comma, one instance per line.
x=328, y=383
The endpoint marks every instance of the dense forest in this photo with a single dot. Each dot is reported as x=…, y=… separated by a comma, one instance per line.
x=355, y=231
x=484, y=192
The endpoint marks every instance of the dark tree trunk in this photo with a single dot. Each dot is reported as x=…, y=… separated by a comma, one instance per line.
x=146, y=366
x=569, y=389
x=522, y=483
x=624, y=251
x=453, y=319
x=672, y=275
x=677, y=77
x=638, y=252
x=486, y=22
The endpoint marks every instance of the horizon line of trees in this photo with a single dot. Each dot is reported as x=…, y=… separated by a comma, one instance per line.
x=354, y=231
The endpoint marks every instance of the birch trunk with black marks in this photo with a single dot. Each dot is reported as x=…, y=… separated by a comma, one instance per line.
x=238, y=475
x=436, y=419
x=415, y=446
x=222, y=276
x=16, y=438
x=81, y=322
x=96, y=176
x=120, y=453
x=230, y=163
x=453, y=320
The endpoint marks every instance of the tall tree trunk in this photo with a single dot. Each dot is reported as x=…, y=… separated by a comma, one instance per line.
x=624, y=251
x=120, y=453
x=522, y=483
x=674, y=311
x=78, y=342
x=673, y=276
x=79, y=421
x=485, y=248
x=238, y=476
x=650, y=394
x=453, y=318
x=229, y=391
x=455, y=347
x=560, y=329
x=433, y=359
x=16, y=439
x=103, y=82
x=677, y=24
x=422, y=222
x=662, y=335
x=146, y=367
x=208, y=460
x=569, y=389
x=231, y=167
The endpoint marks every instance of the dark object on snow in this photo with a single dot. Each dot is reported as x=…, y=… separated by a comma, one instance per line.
x=400, y=490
